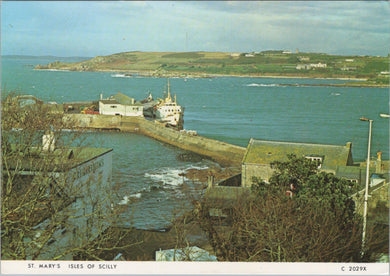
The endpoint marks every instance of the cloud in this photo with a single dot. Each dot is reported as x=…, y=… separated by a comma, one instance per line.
x=106, y=27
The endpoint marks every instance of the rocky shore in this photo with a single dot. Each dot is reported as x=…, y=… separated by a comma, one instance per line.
x=171, y=74
x=218, y=173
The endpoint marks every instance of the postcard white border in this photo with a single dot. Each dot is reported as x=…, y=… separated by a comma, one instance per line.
x=174, y=268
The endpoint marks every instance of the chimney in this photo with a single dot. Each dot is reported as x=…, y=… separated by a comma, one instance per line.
x=379, y=162
x=48, y=141
x=210, y=180
x=349, y=145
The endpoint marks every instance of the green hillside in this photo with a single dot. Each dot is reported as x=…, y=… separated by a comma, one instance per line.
x=207, y=64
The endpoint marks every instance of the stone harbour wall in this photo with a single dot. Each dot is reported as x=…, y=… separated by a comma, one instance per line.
x=223, y=153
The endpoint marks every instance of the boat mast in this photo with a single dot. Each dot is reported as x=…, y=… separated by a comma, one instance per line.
x=169, y=93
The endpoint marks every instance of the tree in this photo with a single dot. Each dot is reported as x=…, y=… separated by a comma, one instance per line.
x=40, y=206
x=300, y=216
x=302, y=178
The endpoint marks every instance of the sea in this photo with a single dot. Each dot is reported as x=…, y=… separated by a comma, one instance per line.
x=148, y=174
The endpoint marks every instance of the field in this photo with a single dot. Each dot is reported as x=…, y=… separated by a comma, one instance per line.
x=205, y=64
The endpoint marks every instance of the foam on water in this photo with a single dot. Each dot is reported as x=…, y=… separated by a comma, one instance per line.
x=137, y=195
x=119, y=76
x=126, y=199
x=167, y=176
x=198, y=167
x=263, y=84
x=173, y=177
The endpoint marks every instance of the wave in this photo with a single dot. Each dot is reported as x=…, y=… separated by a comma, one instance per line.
x=263, y=84
x=137, y=195
x=172, y=177
x=126, y=199
x=119, y=76
x=124, y=75
x=278, y=85
x=167, y=176
x=53, y=70
x=198, y=167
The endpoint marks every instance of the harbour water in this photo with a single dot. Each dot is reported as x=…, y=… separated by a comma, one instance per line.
x=229, y=109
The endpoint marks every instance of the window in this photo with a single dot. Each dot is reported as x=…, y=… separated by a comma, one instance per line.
x=316, y=159
x=113, y=106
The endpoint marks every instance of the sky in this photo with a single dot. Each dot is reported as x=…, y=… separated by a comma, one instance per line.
x=92, y=28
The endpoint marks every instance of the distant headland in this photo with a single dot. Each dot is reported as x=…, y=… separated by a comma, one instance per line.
x=367, y=71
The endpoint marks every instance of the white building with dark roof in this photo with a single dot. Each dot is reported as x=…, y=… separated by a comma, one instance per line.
x=120, y=104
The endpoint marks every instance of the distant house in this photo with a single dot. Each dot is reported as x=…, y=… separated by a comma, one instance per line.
x=303, y=67
x=348, y=68
x=260, y=154
x=310, y=66
x=80, y=180
x=318, y=65
x=286, y=52
x=349, y=60
x=120, y=104
x=249, y=55
x=304, y=58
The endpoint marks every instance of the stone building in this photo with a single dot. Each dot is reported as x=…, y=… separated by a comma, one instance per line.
x=78, y=182
x=260, y=154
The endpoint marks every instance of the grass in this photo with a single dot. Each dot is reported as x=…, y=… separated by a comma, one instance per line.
x=264, y=63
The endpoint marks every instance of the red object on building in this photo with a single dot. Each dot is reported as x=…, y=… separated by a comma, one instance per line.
x=89, y=111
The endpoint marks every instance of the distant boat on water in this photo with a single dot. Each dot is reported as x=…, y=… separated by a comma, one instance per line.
x=383, y=115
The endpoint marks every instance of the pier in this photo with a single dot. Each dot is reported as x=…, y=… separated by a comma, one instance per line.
x=221, y=152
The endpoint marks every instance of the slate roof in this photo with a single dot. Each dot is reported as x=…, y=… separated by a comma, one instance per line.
x=225, y=196
x=265, y=152
x=60, y=160
x=124, y=99
x=111, y=101
x=353, y=172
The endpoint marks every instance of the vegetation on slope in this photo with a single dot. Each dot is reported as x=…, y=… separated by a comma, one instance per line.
x=267, y=63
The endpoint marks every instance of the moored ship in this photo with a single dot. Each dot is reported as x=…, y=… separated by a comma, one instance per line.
x=168, y=111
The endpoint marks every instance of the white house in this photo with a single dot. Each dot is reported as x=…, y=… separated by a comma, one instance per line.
x=120, y=104
x=303, y=58
x=318, y=65
x=310, y=66
x=303, y=67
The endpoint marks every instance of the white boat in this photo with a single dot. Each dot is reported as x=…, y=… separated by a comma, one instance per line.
x=383, y=115
x=169, y=112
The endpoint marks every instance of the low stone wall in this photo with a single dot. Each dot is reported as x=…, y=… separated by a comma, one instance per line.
x=223, y=153
x=103, y=122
